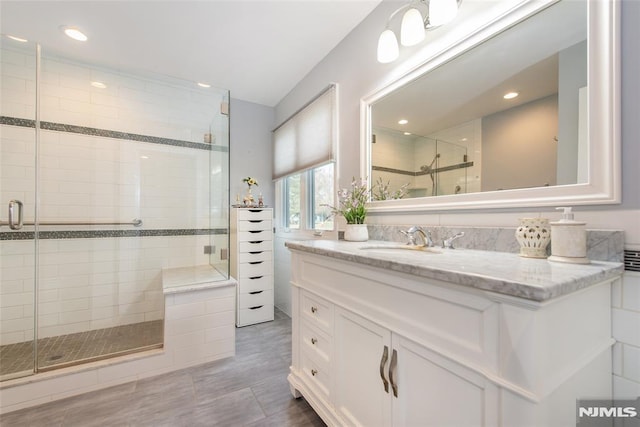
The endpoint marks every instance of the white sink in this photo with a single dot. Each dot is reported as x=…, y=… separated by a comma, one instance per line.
x=399, y=247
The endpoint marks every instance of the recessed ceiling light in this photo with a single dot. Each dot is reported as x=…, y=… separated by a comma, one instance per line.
x=203, y=85
x=99, y=85
x=510, y=95
x=75, y=34
x=403, y=122
x=407, y=133
x=463, y=139
x=18, y=39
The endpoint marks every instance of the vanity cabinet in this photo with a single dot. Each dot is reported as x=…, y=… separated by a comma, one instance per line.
x=251, y=250
x=373, y=347
x=384, y=379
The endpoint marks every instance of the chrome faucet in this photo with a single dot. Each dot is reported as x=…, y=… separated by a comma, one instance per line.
x=448, y=243
x=427, y=241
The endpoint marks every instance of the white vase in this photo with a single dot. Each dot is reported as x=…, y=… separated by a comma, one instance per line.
x=533, y=235
x=356, y=233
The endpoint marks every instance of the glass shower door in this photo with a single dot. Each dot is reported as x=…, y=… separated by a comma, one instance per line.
x=17, y=207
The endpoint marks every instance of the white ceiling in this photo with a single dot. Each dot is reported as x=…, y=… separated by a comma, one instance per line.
x=259, y=49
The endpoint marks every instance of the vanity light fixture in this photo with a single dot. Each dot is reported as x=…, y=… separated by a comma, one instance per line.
x=414, y=23
x=403, y=121
x=17, y=39
x=74, y=33
x=510, y=95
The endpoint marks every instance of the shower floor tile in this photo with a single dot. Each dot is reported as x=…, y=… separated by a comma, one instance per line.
x=90, y=345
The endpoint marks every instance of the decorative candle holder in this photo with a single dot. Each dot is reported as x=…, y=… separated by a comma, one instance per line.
x=534, y=236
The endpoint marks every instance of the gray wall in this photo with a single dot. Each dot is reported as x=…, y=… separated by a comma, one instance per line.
x=519, y=147
x=251, y=152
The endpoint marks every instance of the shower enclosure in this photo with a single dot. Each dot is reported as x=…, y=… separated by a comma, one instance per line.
x=107, y=177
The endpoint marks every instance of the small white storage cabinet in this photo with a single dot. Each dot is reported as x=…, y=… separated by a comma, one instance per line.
x=376, y=348
x=252, y=264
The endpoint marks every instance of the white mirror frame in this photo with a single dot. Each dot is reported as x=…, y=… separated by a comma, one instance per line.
x=604, y=173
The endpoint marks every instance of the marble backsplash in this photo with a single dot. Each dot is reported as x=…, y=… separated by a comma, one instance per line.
x=602, y=245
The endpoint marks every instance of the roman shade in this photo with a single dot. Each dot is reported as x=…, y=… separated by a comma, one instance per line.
x=306, y=139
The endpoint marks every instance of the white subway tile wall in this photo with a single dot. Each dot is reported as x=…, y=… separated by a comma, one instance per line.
x=93, y=283
x=625, y=299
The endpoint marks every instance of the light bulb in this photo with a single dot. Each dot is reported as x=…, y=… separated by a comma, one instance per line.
x=442, y=11
x=412, y=29
x=388, y=50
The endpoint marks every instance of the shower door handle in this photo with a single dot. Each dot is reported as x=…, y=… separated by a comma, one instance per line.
x=13, y=224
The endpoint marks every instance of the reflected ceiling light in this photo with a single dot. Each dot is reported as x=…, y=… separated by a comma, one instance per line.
x=403, y=121
x=510, y=95
x=18, y=39
x=414, y=23
x=75, y=33
x=99, y=85
x=203, y=85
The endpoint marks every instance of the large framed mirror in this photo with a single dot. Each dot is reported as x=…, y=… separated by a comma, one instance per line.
x=524, y=112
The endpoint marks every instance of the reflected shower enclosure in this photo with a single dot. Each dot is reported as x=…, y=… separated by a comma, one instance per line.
x=426, y=166
x=116, y=176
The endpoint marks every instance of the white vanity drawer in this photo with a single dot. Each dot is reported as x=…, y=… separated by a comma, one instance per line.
x=255, y=256
x=318, y=312
x=255, y=246
x=249, y=316
x=315, y=374
x=255, y=299
x=255, y=283
x=315, y=343
x=255, y=269
x=252, y=214
x=255, y=236
x=253, y=225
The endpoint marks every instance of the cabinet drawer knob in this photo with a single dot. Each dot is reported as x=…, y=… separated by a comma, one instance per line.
x=314, y=372
x=314, y=309
x=314, y=341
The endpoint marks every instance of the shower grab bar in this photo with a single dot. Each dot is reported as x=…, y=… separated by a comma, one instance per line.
x=136, y=223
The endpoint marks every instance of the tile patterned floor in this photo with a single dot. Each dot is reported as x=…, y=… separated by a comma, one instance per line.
x=248, y=390
x=90, y=345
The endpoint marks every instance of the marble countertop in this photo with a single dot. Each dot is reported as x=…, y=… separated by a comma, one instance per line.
x=186, y=279
x=501, y=272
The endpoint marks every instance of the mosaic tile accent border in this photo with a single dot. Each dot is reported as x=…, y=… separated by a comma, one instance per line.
x=96, y=234
x=60, y=127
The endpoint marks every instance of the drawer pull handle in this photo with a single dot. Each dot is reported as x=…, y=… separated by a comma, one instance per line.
x=256, y=242
x=392, y=372
x=255, y=262
x=255, y=252
x=255, y=292
x=256, y=307
x=255, y=231
x=383, y=362
x=255, y=277
x=314, y=372
x=255, y=210
x=314, y=309
x=255, y=220
x=314, y=341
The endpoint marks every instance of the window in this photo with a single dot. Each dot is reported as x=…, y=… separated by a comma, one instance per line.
x=304, y=148
x=307, y=199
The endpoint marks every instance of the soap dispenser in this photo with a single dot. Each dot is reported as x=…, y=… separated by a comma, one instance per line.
x=568, y=239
